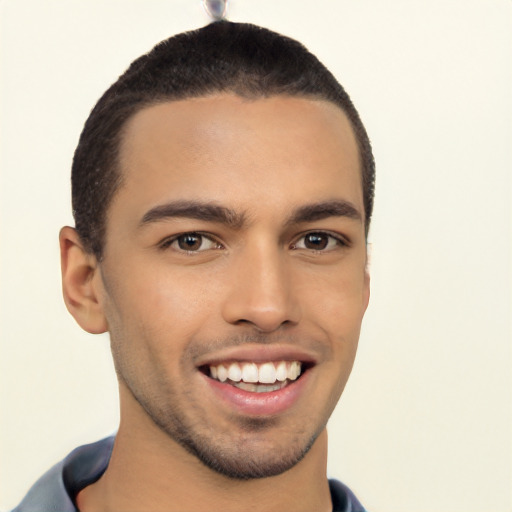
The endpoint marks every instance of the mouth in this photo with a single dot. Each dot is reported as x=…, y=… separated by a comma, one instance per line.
x=258, y=380
x=264, y=377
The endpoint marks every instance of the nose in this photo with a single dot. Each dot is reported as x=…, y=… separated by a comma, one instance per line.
x=261, y=291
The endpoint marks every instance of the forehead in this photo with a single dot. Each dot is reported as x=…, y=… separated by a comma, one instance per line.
x=223, y=146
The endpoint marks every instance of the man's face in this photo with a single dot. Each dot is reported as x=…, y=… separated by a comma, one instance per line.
x=235, y=248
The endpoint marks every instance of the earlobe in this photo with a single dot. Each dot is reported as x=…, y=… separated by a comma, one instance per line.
x=81, y=283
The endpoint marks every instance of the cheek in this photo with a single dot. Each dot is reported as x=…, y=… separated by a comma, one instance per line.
x=337, y=298
x=165, y=304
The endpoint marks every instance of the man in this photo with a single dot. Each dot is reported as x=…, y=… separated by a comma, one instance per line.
x=222, y=193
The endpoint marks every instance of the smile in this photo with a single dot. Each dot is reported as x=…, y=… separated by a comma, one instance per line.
x=257, y=377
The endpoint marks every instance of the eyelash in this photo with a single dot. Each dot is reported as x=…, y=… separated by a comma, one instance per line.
x=166, y=244
x=339, y=241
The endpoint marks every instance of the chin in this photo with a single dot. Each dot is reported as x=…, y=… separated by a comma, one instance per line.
x=246, y=463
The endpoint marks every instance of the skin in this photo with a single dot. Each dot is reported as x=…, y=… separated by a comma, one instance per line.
x=256, y=282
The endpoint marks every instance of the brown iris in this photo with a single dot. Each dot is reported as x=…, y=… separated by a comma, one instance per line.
x=190, y=242
x=316, y=241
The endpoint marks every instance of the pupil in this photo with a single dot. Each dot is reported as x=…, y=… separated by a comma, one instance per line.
x=316, y=241
x=189, y=242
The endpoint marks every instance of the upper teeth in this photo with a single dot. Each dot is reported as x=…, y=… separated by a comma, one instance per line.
x=265, y=373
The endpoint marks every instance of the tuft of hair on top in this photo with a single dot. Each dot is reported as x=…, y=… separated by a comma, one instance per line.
x=241, y=58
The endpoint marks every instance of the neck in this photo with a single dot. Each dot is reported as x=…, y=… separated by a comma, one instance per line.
x=150, y=471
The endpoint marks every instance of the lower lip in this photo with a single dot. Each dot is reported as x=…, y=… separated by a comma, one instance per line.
x=259, y=404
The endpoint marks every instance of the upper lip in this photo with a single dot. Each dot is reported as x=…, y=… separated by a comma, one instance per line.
x=258, y=354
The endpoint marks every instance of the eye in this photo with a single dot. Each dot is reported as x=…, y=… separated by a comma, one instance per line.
x=191, y=242
x=318, y=241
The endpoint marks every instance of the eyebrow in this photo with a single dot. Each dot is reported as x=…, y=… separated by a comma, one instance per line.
x=209, y=212
x=325, y=209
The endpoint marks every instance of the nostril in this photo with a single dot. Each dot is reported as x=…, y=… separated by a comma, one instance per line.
x=265, y=323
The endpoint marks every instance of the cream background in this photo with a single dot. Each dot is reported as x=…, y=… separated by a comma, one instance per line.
x=425, y=422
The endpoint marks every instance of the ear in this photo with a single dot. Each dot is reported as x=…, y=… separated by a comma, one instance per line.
x=366, y=283
x=82, y=285
x=366, y=290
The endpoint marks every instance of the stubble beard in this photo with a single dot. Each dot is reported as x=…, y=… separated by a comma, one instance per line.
x=233, y=456
x=250, y=449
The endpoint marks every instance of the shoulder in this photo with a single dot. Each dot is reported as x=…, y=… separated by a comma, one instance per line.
x=343, y=499
x=55, y=490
